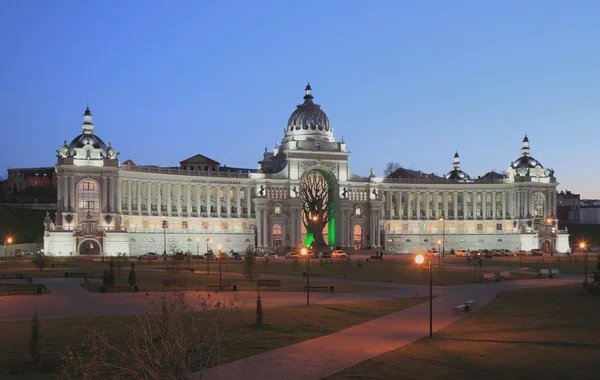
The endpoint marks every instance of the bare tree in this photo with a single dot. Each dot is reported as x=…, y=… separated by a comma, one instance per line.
x=315, y=193
x=169, y=341
x=390, y=167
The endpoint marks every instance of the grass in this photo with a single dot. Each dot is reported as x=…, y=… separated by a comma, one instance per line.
x=395, y=271
x=284, y=326
x=549, y=333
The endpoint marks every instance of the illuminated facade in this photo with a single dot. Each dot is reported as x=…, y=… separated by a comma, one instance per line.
x=109, y=208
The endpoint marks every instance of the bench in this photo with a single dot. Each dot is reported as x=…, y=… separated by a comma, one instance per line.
x=222, y=287
x=75, y=274
x=488, y=276
x=376, y=258
x=323, y=288
x=175, y=284
x=505, y=275
x=119, y=288
x=543, y=273
x=554, y=272
x=460, y=309
x=19, y=290
x=12, y=277
x=61, y=265
x=268, y=284
x=88, y=279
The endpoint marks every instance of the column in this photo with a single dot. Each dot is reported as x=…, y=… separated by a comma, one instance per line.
x=494, y=204
x=474, y=199
x=389, y=197
x=418, y=204
x=168, y=195
x=484, y=204
x=118, y=196
x=464, y=204
x=554, y=202
x=265, y=228
x=228, y=200
x=427, y=206
x=179, y=191
x=398, y=204
x=406, y=195
x=128, y=184
x=207, y=199
x=436, y=204
x=139, y=198
x=104, y=195
x=72, y=197
x=64, y=187
x=188, y=199
x=249, y=201
x=238, y=201
x=258, y=227
x=149, y=198
x=197, y=199
x=218, y=198
x=377, y=230
x=159, y=198
x=372, y=228
x=504, y=204
x=519, y=209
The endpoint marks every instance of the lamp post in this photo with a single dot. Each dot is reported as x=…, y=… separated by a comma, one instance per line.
x=164, y=226
x=439, y=255
x=219, y=247
x=419, y=259
x=304, y=253
x=9, y=241
x=582, y=246
x=443, y=235
x=208, y=241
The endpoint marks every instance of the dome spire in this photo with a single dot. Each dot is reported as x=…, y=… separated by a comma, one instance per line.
x=308, y=98
x=88, y=126
x=525, y=151
x=456, y=163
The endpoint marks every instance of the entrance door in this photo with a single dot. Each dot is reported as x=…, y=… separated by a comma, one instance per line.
x=89, y=247
x=546, y=246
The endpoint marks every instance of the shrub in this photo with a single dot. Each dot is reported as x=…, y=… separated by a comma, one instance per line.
x=360, y=264
x=178, y=256
x=40, y=260
x=132, y=278
x=105, y=277
x=250, y=264
x=266, y=263
x=259, y=311
x=111, y=274
x=49, y=366
x=35, y=343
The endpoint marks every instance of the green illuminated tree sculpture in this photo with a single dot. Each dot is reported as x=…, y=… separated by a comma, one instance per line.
x=315, y=205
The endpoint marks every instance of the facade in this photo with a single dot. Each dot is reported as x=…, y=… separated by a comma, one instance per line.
x=105, y=207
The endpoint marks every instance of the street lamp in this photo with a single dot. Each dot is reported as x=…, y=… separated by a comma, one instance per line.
x=419, y=259
x=304, y=253
x=219, y=247
x=549, y=222
x=9, y=241
x=206, y=256
x=439, y=255
x=443, y=235
x=582, y=246
x=164, y=226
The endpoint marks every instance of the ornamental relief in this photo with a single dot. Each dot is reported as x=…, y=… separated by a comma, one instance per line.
x=303, y=166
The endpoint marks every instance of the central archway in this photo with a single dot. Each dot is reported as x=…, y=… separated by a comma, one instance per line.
x=318, y=211
x=89, y=247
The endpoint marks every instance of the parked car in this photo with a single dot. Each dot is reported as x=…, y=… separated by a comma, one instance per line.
x=338, y=254
x=209, y=256
x=325, y=255
x=273, y=256
x=462, y=253
x=508, y=252
x=523, y=253
x=150, y=256
x=236, y=256
x=434, y=252
x=292, y=255
x=537, y=252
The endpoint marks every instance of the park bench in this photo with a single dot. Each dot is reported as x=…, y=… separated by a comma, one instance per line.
x=554, y=272
x=460, y=309
x=505, y=275
x=268, y=284
x=88, y=279
x=75, y=274
x=175, y=284
x=20, y=290
x=543, y=273
x=376, y=257
x=222, y=287
x=321, y=288
x=61, y=265
x=488, y=276
x=12, y=276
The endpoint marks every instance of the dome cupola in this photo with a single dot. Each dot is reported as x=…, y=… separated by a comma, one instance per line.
x=456, y=173
x=309, y=122
x=525, y=161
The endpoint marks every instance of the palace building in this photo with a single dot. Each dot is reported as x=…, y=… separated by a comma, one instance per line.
x=107, y=207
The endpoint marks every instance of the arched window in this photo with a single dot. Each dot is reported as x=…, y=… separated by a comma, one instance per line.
x=88, y=200
x=276, y=235
x=357, y=232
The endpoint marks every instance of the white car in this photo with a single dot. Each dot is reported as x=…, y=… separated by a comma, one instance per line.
x=462, y=253
x=273, y=256
x=338, y=254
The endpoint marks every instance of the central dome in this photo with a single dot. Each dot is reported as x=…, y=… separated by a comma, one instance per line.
x=308, y=121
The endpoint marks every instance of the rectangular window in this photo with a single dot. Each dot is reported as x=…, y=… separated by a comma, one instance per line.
x=184, y=224
x=277, y=210
x=499, y=227
x=480, y=227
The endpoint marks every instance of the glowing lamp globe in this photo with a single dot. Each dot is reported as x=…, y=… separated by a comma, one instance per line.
x=303, y=251
x=419, y=259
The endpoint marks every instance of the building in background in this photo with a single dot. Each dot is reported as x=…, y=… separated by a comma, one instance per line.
x=105, y=207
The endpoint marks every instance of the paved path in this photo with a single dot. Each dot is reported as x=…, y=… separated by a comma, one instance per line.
x=365, y=341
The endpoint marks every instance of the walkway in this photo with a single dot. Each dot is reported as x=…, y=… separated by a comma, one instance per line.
x=376, y=337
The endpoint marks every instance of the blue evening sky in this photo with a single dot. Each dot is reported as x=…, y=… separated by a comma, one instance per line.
x=406, y=81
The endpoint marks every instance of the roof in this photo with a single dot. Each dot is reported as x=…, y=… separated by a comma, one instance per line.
x=408, y=173
x=199, y=159
x=493, y=175
x=229, y=169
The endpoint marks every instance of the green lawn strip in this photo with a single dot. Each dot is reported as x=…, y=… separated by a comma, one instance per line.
x=283, y=326
x=547, y=333
x=396, y=271
x=152, y=282
x=573, y=264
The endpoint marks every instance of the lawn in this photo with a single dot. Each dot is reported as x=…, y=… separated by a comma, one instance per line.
x=549, y=333
x=396, y=271
x=284, y=326
x=572, y=264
